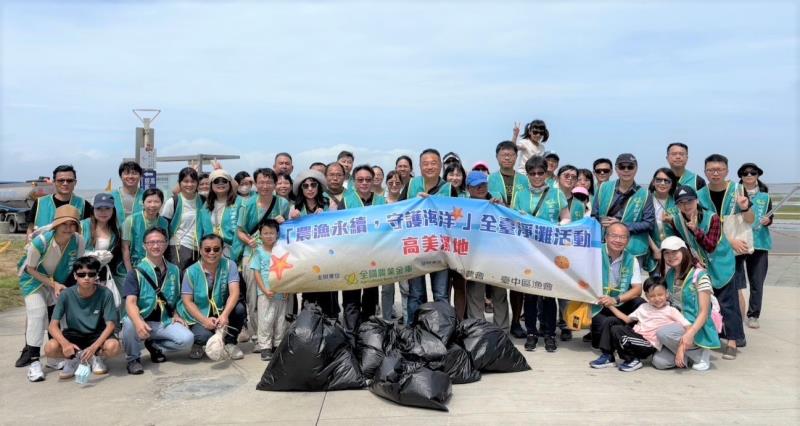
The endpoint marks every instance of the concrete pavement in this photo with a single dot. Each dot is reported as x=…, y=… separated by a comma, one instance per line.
x=761, y=387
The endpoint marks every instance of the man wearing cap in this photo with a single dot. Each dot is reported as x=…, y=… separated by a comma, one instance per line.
x=44, y=209
x=625, y=201
x=677, y=157
x=45, y=273
x=128, y=198
x=701, y=228
x=505, y=183
x=478, y=188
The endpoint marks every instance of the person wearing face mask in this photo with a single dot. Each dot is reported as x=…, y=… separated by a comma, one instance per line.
x=531, y=144
x=244, y=185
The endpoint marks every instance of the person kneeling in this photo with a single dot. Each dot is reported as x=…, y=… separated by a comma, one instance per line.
x=209, y=284
x=90, y=317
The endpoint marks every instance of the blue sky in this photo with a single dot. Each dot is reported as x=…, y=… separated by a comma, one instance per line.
x=386, y=79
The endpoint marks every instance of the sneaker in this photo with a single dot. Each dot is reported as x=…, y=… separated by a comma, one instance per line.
x=266, y=355
x=631, y=365
x=35, y=372
x=70, y=366
x=258, y=349
x=156, y=356
x=135, y=367
x=99, y=366
x=530, y=342
x=701, y=366
x=740, y=343
x=566, y=335
x=550, y=343
x=244, y=336
x=587, y=338
x=197, y=351
x=56, y=363
x=729, y=353
x=234, y=351
x=751, y=322
x=517, y=331
x=605, y=360
x=24, y=357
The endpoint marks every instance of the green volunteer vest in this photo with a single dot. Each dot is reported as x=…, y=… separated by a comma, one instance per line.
x=353, y=201
x=577, y=209
x=46, y=209
x=722, y=262
x=625, y=276
x=550, y=209
x=170, y=288
x=227, y=229
x=175, y=222
x=707, y=336
x=417, y=185
x=634, y=208
x=762, y=240
x=137, y=225
x=689, y=179
x=497, y=187
x=199, y=283
x=138, y=204
x=250, y=216
x=658, y=235
x=27, y=283
x=728, y=200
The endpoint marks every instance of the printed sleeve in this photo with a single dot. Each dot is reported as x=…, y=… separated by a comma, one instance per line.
x=704, y=284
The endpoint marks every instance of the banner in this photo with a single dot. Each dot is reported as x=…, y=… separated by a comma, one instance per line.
x=367, y=247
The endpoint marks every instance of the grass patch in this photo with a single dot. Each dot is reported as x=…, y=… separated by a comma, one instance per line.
x=10, y=296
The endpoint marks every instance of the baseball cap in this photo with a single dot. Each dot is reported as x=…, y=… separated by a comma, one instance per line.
x=684, y=193
x=103, y=199
x=477, y=178
x=672, y=243
x=626, y=158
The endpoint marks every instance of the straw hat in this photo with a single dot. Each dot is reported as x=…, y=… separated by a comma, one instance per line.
x=66, y=213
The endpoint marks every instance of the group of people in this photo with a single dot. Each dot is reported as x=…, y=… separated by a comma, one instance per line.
x=140, y=269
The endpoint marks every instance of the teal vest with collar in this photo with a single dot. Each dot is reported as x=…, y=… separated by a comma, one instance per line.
x=175, y=222
x=46, y=209
x=148, y=299
x=721, y=263
x=550, y=209
x=729, y=205
x=43, y=243
x=707, y=336
x=623, y=284
x=658, y=234
x=689, y=179
x=634, y=208
x=137, y=225
x=250, y=216
x=353, y=201
x=214, y=305
x=497, y=187
x=417, y=185
x=227, y=229
x=762, y=240
x=138, y=204
x=577, y=210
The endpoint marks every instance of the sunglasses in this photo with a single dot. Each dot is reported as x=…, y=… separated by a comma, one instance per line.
x=569, y=177
x=220, y=181
x=536, y=173
x=92, y=274
x=662, y=181
x=309, y=185
x=65, y=181
x=626, y=167
x=749, y=173
x=212, y=249
x=537, y=131
x=395, y=183
x=602, y=171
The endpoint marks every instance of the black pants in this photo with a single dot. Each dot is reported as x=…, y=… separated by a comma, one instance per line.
x=328, y=301
x=182, y=257
x=547, y=316
x=358, y=306
x=235, y=322
x=83, y=341
x=728, y=298
x=630, y=344
x=757, y=264
x=605, y=319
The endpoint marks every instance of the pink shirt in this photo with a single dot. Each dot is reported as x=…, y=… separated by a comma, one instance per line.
x=651, y=319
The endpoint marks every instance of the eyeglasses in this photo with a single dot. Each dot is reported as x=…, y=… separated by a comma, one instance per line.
x=309, y=185
x=716, y=171
x=662, y=181
x=602, y=171
x=364, y=180
x=569, y=177
x=749, y=173
x=65, y=181
x=155, y=243
x=626, y=167
x=92, y=274
x=507, y=154
x=220, y=181
x=216, y=249
x=540, y=173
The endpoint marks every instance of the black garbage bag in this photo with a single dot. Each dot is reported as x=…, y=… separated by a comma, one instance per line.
x=313, y=356
x=411, y=383
x=374, y=338
x=458, y=365
x=490, y=347
x=438, y=318
x=417, y=344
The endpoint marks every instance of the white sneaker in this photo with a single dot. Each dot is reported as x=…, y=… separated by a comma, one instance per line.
x=753, y=322
x=69, y=367
x=234, y=351
x=244, y=336
x=35, y=373
x=701, y=366
x=99, y=366
x=55, y=363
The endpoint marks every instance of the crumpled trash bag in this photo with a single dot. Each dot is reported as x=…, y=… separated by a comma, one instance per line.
x=417, y=344
x=458, y=365
x=438, y=318
x=375, y=337
x=490, y=347
x=314, y=356
x=411, y=383
x=215, y=346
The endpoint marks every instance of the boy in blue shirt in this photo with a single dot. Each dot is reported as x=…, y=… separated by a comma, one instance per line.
x=271, y=306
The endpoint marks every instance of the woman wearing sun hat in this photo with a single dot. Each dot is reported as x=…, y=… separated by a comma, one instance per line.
x=44, y=272
x=756, y=262
x=219, y=214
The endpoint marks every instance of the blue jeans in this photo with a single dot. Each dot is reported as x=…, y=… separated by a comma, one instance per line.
x=416, y=292
x=172, y=338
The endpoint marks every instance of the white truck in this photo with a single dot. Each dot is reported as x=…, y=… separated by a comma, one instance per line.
x=16, y=198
